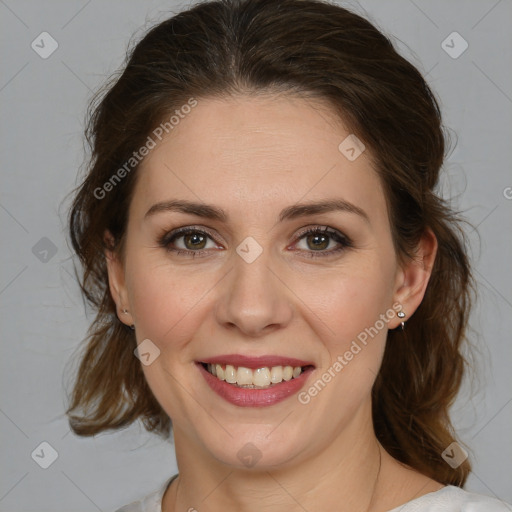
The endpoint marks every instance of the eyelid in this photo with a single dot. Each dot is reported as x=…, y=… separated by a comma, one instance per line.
x=167, y=236
x=317, y=228
x=343, y=241
x=339, y=237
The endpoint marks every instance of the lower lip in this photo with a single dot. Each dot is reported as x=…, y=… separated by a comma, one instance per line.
x=246, y=397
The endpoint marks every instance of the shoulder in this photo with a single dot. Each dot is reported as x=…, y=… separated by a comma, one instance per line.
x=150, y=503
x=454, y=499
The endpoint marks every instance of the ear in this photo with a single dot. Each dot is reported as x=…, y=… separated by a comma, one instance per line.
x=116, y=280
x=413, y=277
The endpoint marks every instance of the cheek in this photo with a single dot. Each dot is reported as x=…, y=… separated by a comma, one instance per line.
x=353, y=344
x=350, y=310
x=167, y=306
x=350, y=300
x=163, y=300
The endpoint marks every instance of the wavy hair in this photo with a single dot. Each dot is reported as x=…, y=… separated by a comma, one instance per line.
x=319, y=50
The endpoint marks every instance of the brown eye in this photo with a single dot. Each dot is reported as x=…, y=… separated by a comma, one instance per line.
x=318, y=241
x=322, y=242
x=188, y=241
x=194, y=241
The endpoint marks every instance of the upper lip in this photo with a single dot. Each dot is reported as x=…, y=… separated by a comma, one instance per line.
x=254, y=362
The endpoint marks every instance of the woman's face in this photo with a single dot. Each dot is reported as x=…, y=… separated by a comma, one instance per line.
x=253, y=287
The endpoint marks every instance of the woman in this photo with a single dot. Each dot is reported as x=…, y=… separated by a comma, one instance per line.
x=271, y=267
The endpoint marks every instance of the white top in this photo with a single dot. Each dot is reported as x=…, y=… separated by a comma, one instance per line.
x=447, y=499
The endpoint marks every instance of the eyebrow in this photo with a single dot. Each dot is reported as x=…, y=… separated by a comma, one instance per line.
x=289, y=213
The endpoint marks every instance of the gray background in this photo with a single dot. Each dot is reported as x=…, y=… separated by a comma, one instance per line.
x=43, y=317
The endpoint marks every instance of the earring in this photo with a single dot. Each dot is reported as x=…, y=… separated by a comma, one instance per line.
x=401, y=314
x=125, y=312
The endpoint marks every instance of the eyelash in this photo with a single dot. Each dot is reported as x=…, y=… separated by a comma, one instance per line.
x=338, y=237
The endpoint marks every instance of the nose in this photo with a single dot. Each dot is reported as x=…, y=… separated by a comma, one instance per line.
x=254, y=298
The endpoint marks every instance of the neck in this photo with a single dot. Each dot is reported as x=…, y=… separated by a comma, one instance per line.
x=344, y=475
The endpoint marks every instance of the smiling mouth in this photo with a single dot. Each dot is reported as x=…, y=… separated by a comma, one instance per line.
x=258, y=378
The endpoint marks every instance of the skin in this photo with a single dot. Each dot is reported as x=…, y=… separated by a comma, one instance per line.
x=252, y=157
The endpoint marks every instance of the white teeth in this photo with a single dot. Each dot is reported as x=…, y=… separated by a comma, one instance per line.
x=258, y=378
x=230, y=374
x=261, y=377
x=287, y=373
x=219, y=371
x=276, y=374
x=243, y=376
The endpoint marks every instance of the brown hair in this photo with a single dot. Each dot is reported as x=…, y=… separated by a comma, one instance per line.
x=319, y=50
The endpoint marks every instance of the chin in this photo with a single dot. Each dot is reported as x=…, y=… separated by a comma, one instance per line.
x=256, y=450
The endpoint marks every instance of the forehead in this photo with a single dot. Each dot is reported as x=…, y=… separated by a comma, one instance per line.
x=245, y=151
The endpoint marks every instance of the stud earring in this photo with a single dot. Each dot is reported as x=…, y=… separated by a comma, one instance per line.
x=125, y=312
x=401, y=314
